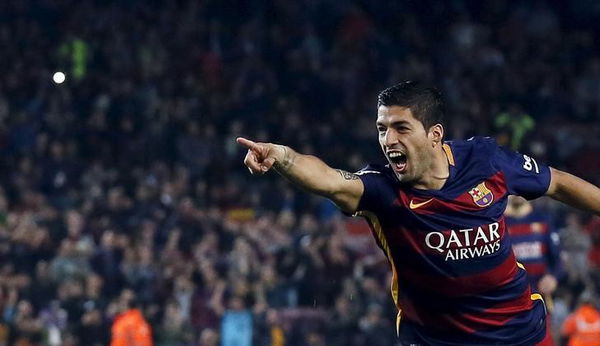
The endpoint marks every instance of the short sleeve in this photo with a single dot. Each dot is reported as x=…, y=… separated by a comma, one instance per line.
x=371, y=197
x=524, y=175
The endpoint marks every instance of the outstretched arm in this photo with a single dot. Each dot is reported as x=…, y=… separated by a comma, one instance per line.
x=306, y=171
x=574, y=191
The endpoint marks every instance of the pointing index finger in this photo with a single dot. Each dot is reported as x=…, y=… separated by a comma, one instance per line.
x=247, y=143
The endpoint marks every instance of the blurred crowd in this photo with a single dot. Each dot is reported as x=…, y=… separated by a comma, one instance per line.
x=123, y=188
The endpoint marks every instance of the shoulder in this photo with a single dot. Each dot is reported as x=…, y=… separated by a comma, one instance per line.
x=371, y=168
x=379, y=187
x=475, y=154
x=375, y=171
x=474, y=146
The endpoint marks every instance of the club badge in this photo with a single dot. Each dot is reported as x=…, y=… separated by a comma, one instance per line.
x=482, y=196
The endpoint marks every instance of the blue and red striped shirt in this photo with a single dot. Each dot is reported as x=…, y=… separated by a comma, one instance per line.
x=536, y=244
x=455, y=278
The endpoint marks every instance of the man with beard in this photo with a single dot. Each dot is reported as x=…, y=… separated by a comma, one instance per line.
x=436, y=210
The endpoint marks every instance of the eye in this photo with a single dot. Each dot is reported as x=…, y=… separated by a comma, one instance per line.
x=380, y=129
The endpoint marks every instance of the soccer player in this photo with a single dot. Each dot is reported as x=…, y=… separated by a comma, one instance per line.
x=536, y=245
x=436, y=210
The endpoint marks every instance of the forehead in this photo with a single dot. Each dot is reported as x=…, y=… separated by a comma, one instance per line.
x=392, y=114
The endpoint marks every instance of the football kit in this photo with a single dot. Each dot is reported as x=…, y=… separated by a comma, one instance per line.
x=536, y=244
x=455, y=278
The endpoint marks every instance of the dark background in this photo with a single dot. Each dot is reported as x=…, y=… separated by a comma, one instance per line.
x=127, y=174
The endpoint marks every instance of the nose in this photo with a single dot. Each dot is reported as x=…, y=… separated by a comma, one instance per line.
x=390, y=138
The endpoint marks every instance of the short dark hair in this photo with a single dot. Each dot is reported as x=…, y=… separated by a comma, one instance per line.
x=424, y=102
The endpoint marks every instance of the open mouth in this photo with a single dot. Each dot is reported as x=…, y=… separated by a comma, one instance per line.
x=398, y=160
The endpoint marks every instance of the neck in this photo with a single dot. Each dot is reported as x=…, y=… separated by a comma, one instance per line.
x=438, y=172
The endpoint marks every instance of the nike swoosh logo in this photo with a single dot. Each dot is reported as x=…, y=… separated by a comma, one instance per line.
x=413, y=205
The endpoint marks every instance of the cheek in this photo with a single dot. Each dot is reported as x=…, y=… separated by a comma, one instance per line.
x=419, y=152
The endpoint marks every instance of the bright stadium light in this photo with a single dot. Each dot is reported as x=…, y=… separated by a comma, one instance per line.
x=58, y=77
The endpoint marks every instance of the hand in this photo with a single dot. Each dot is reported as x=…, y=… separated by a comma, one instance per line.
x=261, y=156
x=547, y=284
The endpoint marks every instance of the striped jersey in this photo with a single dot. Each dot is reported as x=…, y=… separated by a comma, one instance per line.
x=536, y=244
x=455, y=278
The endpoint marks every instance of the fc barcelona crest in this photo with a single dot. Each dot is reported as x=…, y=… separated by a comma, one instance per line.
x=482, y=196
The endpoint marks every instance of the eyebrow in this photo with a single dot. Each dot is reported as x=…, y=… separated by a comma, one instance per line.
x=395, y=123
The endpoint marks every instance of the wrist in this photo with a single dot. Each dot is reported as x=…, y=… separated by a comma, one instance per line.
x=283, y=158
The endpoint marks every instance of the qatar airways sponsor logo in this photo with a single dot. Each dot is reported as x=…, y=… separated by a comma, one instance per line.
x=466, y=243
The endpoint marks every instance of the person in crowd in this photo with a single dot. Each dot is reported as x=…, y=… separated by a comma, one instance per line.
x=536, y=245
x=131, y=158
x=582, y=327
x=129, y=327
x=454, y=288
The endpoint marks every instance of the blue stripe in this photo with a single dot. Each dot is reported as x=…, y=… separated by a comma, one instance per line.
x=528, y=329
x=435, y=265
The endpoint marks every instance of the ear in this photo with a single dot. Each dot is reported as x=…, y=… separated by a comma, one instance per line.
x=436, y=134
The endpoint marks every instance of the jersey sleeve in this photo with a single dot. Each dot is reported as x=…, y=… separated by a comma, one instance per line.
x=524, y=175
x=371, y=197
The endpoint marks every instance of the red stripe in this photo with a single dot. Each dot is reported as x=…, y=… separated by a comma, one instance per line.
x=497, y=315
x=435, y=319
x=521, y=229
x=496, y=184
x=463, y=285
x=481, y=321
x=515, y=306
x=409, y=310
x=500, y=314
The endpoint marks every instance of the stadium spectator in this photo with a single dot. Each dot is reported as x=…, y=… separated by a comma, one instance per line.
x=593, y=229
x=236, y=325
x=576, y=244
x=131, y=159
x=129, y=327
x=515, y=124
x=535, y=243
x=582, y=327
x=174, y=329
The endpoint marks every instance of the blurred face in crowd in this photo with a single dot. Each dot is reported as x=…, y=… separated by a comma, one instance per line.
x=573, y=221
x=108, y=239
x=24, y=308
x=172, y=314
x=67, y=249
x=56, y=150
x=517, y=202
x=374, y=314
x=236, y=303
x=41, y=270
x=93, y=284
x=124, y=300
x=406, y=144
x=209, y=337
x=74, y=222
x=342, y=306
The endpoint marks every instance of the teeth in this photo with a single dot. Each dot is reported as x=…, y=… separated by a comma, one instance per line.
x=395, y=154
